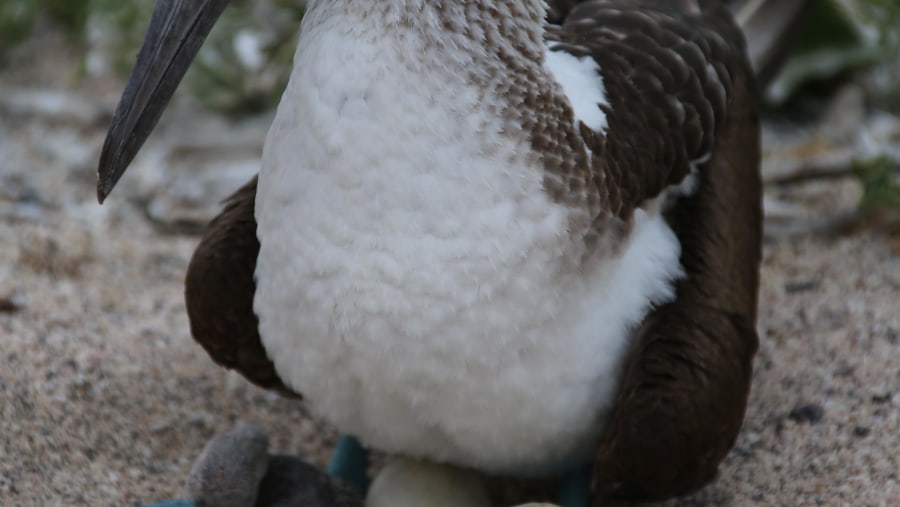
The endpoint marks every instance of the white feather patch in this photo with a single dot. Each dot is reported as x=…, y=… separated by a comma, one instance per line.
x=582, y=84
x=414, y=281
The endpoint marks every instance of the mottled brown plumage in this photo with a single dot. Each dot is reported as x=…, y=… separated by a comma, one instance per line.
x=219, y=290
x=685, y=389
x=667, y=68
x=681, y=91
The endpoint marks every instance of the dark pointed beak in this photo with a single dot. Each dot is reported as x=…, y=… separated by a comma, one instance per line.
x=177, y=30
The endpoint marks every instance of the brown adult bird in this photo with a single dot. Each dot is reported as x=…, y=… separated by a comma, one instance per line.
x=501, y=234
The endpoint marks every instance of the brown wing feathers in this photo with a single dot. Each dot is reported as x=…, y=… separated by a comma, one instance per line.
x=681, y=91
x=685, y=388
x=668, y=80
x=219, y=290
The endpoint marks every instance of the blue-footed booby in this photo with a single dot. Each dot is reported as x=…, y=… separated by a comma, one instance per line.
x=500, y=234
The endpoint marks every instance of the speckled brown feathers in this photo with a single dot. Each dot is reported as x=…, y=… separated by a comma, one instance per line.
x=219, y=290
x=681, y=92
x=686, y=384
x=668, y=79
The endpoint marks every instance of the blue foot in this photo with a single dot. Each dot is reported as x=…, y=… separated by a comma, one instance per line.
x=576, y=486
x=350, y=462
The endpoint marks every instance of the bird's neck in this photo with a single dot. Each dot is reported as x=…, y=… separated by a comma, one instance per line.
x=469, y=57
x=407, y=74
x=487, y=29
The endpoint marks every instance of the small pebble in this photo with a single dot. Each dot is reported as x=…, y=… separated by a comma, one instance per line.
x=808, y=413
x=795, y=286
x=408, y=483
x=861, y=431
x=228, y=471
x=882, y=398
x=892, y=336
x=9, y=305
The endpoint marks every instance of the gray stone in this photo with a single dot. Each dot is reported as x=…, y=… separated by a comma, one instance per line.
x=229, y=470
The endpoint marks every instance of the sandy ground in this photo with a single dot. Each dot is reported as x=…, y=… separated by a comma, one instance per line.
x=105, y=400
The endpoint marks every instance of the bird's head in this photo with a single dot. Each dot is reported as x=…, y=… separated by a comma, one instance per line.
x=177, y=30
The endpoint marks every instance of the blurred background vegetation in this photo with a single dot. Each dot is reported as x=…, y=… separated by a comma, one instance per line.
x=242, y=68
x=244, y=65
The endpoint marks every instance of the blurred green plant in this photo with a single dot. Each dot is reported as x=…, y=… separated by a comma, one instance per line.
x=114, y=30
x=71, y=15
x=245, y=64
x=246, y=61
x=242, y=68
x=16, y=20
x=880, y=178
x=841, y=36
